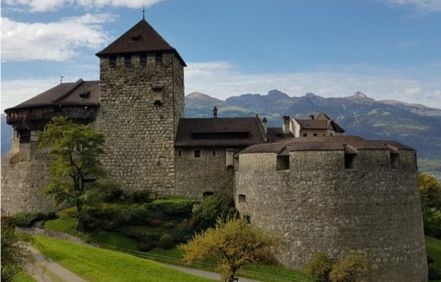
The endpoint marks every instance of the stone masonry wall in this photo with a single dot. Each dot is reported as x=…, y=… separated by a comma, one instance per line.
x=209, y=173
x=24, y=175
x=139, y=133
x=319, y=206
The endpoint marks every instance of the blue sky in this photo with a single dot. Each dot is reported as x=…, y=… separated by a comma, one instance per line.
x=388, y=49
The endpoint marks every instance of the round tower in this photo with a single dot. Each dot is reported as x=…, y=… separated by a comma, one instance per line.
x=337, y=194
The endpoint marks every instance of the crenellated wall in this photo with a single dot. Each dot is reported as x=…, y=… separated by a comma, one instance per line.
x=140, y=106
x=317, y=205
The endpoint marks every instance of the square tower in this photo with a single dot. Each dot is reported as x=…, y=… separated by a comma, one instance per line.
x=141, y=102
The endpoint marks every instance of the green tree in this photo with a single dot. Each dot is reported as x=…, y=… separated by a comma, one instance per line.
x=14, y=252
x=232, y=243
x=430, y=193
x=75, y=150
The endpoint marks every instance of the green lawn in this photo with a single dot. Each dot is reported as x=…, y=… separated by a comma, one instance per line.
x=98, y=265
x=433, y=247
x=22, y=276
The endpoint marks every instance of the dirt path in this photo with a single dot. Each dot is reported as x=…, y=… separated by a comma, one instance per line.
x=45, y=270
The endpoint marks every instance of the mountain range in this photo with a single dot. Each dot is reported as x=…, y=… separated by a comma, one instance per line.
x=412, y=124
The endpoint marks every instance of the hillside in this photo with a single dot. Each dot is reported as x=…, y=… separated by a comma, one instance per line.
x=413, y=124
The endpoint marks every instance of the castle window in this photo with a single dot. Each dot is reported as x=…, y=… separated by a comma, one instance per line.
x=349, y=160
x=112, y=61
x=394, y=160
x=143, y=60
x=305, y=134
x=282, y=163
x=207, y=194
x=214, y=152
x=197, y=153
x=180, y=153
x=315, y=134
x=128, y=61
x=242, y=198
x=25, y=136
x=158, y=57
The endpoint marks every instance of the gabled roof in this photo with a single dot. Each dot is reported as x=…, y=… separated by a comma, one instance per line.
x=141, y=38
x=225, y=132
x=320, y=121
x=80, y=93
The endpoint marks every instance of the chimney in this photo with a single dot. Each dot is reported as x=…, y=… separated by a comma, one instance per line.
x=265, y=125
x=215, y=112
x=286, y=129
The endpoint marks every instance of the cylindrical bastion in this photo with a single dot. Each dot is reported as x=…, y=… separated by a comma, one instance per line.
x=337, y=194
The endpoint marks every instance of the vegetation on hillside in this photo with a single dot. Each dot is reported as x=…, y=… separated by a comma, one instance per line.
x=74, y=167
x=231, y=244
x=96, y=264
x=430, y=193
x=14, y=254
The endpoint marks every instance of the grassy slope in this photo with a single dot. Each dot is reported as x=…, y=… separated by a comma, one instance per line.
x=98, y=265
x=433, y=247
x=23, y=277
x=173, y=256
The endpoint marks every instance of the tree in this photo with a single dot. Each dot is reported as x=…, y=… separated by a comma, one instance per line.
x=430, y=193
x=232, y=243
x=14, y=253
x=75, y=150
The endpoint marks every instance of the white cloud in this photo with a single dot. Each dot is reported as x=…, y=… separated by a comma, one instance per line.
x=422, y=5
x=222, y=80
x=52, y=5
x=56, y=41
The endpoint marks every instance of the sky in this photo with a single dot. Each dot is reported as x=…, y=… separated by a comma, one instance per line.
x=387, y=49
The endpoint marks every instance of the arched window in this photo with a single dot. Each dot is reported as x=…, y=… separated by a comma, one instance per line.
x=207, y=194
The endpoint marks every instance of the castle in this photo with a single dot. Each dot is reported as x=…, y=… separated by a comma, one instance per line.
x=317, y=189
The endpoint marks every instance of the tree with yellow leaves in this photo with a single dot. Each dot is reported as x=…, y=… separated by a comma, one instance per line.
x=232, y=244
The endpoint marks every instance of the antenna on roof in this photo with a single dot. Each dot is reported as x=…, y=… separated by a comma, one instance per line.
x=143, y=12
x=61, y=79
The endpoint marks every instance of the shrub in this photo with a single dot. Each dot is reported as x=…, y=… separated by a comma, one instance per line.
x=318, y=267
x=140, y=197
x=146, y=246
x=155, y=222
x=166, y=241
x=110, y=191
x=141, y=234
x=210, y=209
x=352, y=268
x=169, y=225
x=28, y=219
x=434, y=272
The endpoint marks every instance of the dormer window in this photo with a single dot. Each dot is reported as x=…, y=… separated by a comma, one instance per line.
x=85, y=95
x=136, y=37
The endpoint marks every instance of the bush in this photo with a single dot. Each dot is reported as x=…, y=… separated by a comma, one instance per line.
x=110, y=191
x=352, y=268
x=210, y=209
x=146, y=246
x=434, y=272
x=318, y=267
x=28, y=219
x=141, y=234
x=169, y=225
x=140, y=197
x=166, y=241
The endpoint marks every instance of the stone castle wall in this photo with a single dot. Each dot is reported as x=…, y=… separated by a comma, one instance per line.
x=24, y=175
x=207, y=173
x=140, y=107
x=319, y=206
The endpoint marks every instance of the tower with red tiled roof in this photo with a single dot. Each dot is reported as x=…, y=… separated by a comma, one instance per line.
x=141, y=101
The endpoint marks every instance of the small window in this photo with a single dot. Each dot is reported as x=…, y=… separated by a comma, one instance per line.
x=247, y=218
x=349, y=160
x=112, y=61
x=128, y=61
x=332, y=134
x=143, y=60
x=315, y=134
x=207, y=194
x=324, y=134
x=158, y=57
x=242, y=198
x=282, y=163
x=305, y=134
x=180, y=153
x=197, y=153
x=395, y=160
x=25, y=136
x=214, y=152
